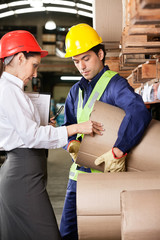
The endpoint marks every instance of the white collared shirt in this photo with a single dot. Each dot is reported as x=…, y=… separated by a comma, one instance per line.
x=20, y=121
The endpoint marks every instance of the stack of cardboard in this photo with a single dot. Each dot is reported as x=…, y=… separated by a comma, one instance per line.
x=98, y=202
x=140, y=213
x=98, y=195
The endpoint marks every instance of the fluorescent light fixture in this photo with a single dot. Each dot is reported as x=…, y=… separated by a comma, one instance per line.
x=18, y=3
x=42, y=9
x=87, y=1
x=83, y=6
x=70, y=78
x=59, y=9
x=36, y=3
x=6, y=14
x=50, y=25
x=86, y=14
x=3, y=6
x=58, y=2
x=28, y=10
x=50, y=9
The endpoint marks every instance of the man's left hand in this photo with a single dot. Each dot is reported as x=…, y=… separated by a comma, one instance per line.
x=112, y=163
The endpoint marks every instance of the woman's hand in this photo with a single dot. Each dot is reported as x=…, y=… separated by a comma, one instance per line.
x=53, y=122
x=97, y=128
x=89, y=127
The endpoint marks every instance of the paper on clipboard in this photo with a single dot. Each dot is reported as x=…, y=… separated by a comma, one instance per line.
x=42, y=103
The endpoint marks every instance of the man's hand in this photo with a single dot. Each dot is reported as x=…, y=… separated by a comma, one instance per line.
x=73, y=148
x=112, y=162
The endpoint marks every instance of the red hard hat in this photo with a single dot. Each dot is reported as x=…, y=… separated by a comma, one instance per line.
x=19, y=41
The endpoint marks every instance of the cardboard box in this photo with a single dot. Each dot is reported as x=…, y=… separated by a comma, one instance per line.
x=98, y=201
x=140, y=215
x=49, y=37
x=143, y=157
x=51, y=48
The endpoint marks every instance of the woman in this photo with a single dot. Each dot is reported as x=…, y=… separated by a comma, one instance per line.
x=25, y=209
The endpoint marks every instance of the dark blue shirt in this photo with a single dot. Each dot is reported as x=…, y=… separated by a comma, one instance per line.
x=117, y=93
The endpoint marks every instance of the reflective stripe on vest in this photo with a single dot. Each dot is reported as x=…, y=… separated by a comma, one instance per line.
x=84, y=113
x=73, y=174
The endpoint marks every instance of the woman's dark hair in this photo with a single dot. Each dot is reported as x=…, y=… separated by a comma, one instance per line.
x=1, y=67
x=96, y=50
x=26, y=54
x=31, y=54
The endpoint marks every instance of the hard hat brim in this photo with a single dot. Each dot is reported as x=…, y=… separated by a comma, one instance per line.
x=44, y=53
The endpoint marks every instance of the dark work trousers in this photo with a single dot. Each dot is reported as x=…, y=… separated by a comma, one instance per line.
x=25, y=209
x=68, y=225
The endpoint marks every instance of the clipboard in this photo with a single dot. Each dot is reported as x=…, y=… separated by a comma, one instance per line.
x=42, y=102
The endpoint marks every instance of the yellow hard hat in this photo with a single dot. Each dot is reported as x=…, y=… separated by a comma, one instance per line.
x=80, y=39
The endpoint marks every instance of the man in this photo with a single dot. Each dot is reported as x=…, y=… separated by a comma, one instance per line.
x=83, y=44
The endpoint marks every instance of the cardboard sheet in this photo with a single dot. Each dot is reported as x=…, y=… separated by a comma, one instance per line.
x=140, y=215
x=143, y=157
x=98, y=201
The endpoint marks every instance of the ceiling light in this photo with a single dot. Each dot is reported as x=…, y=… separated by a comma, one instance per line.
x=87, y=1
x=59, y=9
x=36, y=3
x=29, y=10
x=83, y=6
x=6, y=14
x=60, y=2
x=18, y=3
x=86, y=14
x=71, y=78
x=3, y=6
x=50, y=25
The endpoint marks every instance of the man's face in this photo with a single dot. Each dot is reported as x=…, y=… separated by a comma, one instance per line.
x=89, y=64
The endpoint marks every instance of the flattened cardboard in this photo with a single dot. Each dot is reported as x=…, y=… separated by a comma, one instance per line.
x=92, y=147
x=141, y=211
x=98, y=201
x=143, y=157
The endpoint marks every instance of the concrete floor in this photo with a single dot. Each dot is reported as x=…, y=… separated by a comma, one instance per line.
x=59, y=162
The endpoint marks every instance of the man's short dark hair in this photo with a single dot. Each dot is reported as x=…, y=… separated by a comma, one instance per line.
x=96, y=50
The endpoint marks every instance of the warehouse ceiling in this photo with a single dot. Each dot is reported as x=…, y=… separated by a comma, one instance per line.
x=15, y=7
x=32, y=15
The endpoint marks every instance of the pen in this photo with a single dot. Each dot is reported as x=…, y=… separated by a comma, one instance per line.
x=58, y=112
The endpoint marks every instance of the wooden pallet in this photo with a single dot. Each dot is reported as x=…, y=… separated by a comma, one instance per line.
x=141, y=12
x=144, y=73
x=148, y=29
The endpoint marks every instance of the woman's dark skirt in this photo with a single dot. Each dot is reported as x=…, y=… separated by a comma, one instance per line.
x=25, y=209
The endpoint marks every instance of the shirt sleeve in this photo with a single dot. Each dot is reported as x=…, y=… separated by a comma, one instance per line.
x=70, y=113
x=20, y=115
x=137, y=116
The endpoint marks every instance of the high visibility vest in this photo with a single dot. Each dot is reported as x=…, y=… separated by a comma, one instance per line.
x=84, y=113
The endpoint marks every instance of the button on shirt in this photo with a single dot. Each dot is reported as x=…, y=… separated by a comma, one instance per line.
x=20, y=120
